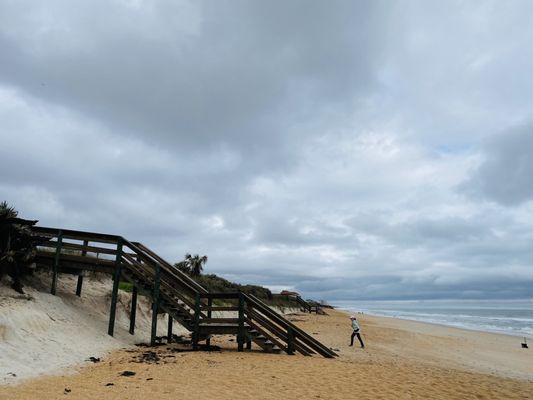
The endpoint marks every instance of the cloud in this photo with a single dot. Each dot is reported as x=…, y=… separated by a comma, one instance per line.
x=504, y=174
x=187, y=74
x=348, y=150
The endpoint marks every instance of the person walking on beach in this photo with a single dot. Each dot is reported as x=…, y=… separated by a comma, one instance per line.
x=356, y=330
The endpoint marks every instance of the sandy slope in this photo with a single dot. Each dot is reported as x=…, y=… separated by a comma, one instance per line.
x=403, y=360
x=44, y=333
x=41, y=333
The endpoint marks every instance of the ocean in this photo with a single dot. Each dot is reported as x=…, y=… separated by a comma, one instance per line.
x=512, y=317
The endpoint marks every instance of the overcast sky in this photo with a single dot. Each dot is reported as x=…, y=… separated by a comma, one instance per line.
x=345, y=149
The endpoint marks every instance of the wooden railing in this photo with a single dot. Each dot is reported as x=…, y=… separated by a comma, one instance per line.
x=168, y=287
x=121, y=258
x=296, y=338
x=204, y=302
x=298, y=300
x=254, y=314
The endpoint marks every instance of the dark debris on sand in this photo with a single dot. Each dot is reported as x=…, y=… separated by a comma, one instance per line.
x=149, y=357
x=163, y=340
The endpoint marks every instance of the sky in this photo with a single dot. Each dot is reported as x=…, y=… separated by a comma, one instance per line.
x=344, y=149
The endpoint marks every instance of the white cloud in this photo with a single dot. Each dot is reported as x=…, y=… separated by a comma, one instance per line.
x=358, y=160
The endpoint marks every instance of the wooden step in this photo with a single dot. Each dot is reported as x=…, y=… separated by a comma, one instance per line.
x=220, y=329
x=275, y=350
x=267, y=345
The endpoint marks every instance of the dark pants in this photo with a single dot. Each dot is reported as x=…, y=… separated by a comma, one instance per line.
x=354, y=334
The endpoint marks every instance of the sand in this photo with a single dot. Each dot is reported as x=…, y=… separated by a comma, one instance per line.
x=41, y=333
x=45, y=334
x=402, y=360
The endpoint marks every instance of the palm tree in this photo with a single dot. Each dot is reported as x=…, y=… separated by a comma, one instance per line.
x=192, y=265
x=196, y=264
x=6, y=211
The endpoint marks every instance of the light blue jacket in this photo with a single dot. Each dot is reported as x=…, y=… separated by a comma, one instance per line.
x=355, y=325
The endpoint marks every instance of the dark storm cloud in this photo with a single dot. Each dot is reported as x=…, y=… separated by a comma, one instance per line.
x=304, y=144
x=505, y=173
x=183, y=74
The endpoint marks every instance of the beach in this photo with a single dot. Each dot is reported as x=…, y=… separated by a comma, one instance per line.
x=196, y=198
x=402, y=360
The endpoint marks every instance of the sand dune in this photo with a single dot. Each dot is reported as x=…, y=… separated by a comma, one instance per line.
x=45, y=334
x=41, y=333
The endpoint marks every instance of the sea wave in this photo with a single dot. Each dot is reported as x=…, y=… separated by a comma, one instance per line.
x=516, y=321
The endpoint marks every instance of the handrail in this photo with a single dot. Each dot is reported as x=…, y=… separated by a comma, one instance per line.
x=295, y=337
x=184, y=276
x=144, y=253
x=137, y=268
x=276, y=330
x=264, y=332
x=220, y=295
x=74, y=246
x=296, y=298
x=306, y=338
x=304, y=303
x=79, y=235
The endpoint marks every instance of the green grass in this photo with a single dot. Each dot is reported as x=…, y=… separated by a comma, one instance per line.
x=217, y=284
x=126, y=286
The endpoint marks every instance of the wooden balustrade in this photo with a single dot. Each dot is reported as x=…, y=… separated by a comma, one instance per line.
x=170, y=291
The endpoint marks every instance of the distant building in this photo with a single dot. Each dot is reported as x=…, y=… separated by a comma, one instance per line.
x=289, y=293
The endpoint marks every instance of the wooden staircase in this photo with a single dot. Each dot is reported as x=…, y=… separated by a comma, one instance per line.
x=171, y=292
x=305, y=306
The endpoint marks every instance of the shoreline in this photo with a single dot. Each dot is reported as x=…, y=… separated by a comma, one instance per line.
x=469, y=350
x=465, y=328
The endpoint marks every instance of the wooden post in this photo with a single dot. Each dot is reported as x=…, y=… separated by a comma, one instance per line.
x=155, y=303
x=55, y=271
x=240, y=334
x=250, y=316
x=169, y=330
x=114, y=294
x=79, y=285
x=196, y=332
x=133, y=312
x=209, y=314
x=290, y=341
x=80, y=276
